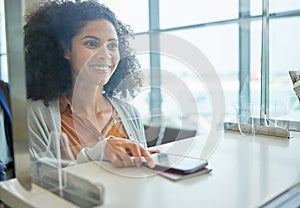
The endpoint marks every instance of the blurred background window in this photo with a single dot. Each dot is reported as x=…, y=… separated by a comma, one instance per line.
x=230, y=34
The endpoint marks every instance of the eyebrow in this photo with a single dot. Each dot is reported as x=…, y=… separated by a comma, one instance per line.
x=96, y=38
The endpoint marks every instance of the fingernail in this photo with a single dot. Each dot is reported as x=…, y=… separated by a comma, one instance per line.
x=151, y=165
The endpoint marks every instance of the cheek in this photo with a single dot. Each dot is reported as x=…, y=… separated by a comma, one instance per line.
x=81, y=60
x=116, y=57
x=116, y=62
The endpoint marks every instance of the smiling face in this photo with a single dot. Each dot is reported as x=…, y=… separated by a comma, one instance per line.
x=94, y=54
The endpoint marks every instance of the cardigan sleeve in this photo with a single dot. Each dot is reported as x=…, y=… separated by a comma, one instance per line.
x=44, y=131
x=95, y=153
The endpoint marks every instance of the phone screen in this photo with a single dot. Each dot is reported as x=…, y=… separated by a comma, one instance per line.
x=177, y=163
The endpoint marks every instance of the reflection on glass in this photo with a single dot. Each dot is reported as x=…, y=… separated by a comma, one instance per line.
x=220, y=45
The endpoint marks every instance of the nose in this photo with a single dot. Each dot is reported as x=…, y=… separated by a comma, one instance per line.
x=103, y=53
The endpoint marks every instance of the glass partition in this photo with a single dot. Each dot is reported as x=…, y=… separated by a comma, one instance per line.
x=202, y=65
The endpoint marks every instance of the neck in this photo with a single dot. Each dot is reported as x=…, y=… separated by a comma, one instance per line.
x=88, y=99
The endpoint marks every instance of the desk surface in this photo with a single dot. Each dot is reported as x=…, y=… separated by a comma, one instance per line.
x=247, y=171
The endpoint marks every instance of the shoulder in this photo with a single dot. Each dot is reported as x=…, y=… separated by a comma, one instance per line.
x=4, y=85
x=40, y=104
x=119, y=101
x=39, y=114
x=39, y=108
x=124, y=105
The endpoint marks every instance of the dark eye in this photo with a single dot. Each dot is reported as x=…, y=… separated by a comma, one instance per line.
x=113, y=46
x=91, y=44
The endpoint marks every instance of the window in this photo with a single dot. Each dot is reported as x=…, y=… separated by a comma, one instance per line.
x=181, y=13
x=281, y=6
x=230, y=36
x=3, y=56
x=135, y=13
x=284, y=103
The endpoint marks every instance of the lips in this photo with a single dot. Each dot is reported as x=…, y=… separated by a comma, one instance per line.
x=101, y=68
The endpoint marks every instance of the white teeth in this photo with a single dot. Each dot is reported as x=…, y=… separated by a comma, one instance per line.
x=102, y=68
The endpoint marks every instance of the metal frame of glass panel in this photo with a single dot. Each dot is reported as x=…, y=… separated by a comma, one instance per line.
x=244, y=58
x=155, y=75
x=16, y=65
x=265, y=81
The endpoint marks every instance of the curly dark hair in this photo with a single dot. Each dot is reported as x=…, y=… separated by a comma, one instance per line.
x=50, y=28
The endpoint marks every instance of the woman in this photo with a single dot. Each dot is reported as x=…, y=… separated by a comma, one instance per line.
x=78, y=62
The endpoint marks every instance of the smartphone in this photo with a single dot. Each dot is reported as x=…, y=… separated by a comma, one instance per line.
x=177, y=163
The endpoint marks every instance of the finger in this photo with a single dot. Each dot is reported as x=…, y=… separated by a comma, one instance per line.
x=124, y=154
x=133, y=161
x=152, y=151
x=136, y=153
x=115, y=160
x=147, y=157
x=127, y=161
x=112, y=156
x=138, y=161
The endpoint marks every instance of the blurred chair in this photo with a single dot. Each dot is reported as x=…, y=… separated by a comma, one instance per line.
x=152, y=133
x=174, y=134
x=156, y=135
x=6, y=143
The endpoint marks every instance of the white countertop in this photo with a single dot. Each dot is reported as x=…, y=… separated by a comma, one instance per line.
x=247, y=171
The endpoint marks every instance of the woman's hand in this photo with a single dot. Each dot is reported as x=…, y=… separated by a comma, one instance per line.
x=153, y=151
x=124, y=153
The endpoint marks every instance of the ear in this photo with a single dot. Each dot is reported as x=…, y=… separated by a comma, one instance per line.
x=67, y=55
x=66, y=51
